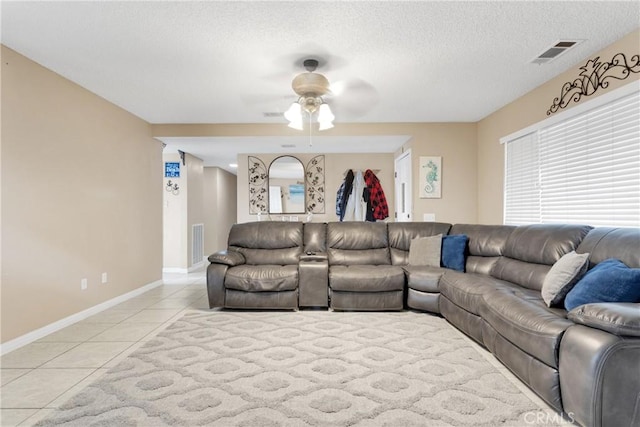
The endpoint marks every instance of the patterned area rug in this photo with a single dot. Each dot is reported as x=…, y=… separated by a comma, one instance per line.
x=304, y=368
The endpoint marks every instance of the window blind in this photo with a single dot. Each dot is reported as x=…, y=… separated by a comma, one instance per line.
x=522, y=186
x=586, y=169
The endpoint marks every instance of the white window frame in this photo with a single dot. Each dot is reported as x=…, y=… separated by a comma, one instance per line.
x=582, y=108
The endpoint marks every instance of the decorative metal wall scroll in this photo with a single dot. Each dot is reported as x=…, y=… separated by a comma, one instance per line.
x=594, y=75
x=315, y=185
x=258, y=194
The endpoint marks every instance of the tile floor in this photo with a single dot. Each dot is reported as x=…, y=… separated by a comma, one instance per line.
x=69, y=359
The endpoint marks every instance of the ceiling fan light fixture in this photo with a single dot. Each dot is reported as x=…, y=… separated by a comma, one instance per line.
x=297, y=125
x=310, y=103
x=294, y=113
x=325, y=114
x=310, y=87
x=324, y=125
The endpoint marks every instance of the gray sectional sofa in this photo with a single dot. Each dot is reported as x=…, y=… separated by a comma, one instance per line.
x=584, y=363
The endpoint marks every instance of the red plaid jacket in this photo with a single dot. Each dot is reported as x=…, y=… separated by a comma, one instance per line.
x=378, y=200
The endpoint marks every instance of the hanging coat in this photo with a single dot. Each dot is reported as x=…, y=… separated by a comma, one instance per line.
x=339, y=197
x=343, y=196
x=356, y=207
x=378, y=200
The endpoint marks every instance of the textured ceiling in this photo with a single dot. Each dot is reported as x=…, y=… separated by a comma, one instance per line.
x=230, y=62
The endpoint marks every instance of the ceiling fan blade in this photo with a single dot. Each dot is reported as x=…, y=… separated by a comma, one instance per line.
x=352, y=98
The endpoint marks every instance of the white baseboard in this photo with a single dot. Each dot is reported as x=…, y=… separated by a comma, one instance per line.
x=74, y=318
x=197, y=266
x=175, y=270
x=178, y=270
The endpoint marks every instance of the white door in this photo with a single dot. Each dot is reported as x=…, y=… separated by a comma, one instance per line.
x=404, y=199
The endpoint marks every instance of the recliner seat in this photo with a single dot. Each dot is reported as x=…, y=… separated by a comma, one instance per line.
x=361, y=276
x=259, y=269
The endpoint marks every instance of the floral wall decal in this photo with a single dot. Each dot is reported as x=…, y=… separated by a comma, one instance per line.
x=315, y=185
x=258, y=194
x=594, y=75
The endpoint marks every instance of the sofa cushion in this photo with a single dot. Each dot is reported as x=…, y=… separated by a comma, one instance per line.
x=480, y=264
x=285, y=256
x=266, y=235
x=531, y=250
x=466, y=289
x=262, y=278
x=484, y=240
x=425, y=279
x=604, y=243
x=366, y=278
x=357, y=235
x=454, y=251
x=563, y=275
x=267, y=243
x=426, y=251
x=527, y=323
x=485, y=246
x=609, y=281
x=402, y=233
x=357, y=243
x=544, y=243
x=525, y=274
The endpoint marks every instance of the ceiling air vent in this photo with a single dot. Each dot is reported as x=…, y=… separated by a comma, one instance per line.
x=554, y=51
x=273, y=114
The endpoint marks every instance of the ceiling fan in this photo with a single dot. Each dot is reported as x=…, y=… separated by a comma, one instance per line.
x=310, y=87
x=349, y=98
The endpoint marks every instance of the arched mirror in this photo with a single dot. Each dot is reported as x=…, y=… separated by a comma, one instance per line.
x=286, y=186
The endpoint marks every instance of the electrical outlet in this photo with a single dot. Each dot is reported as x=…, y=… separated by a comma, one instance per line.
x=429, y=217
x=83, y=284
x=104, y=277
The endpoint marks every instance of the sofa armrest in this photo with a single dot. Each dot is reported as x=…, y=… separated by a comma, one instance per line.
x=622, y=319
x=599, y=379
x=215, y=284
x=229, y=258
x=314, y=256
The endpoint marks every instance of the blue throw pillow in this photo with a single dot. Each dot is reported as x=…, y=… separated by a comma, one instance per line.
x=609, y=281
x=454, y=250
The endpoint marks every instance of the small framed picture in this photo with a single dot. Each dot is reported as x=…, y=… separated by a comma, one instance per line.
x=172, y=169
x=430, y=177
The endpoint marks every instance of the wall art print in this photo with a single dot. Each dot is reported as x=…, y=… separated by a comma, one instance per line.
x=258, y=194
x=430, y=177
x=315, y=185
x=595, y=74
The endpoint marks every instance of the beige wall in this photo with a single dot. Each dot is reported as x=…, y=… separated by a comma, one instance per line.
x=455, y=142
x=181, y=211
x=525, y=111
x=80, y=196
x=220, y=201
x=174, y=214
x=195, y=208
